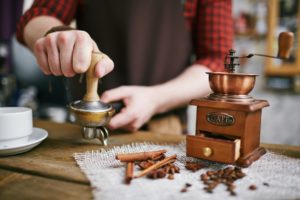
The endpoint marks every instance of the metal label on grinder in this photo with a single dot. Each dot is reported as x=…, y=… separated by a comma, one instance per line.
x=220, y=119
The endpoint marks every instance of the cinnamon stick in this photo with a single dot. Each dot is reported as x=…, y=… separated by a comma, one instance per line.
x=159, y=157
x=129, y=172
x=140, y=156
x=157, y=165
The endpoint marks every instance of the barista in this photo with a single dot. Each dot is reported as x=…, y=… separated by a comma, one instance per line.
x=149, y=44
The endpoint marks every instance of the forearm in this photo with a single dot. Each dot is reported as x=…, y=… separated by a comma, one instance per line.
x=37, y=27
x=191, y=84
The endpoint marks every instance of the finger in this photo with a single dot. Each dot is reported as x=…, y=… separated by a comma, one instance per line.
x=95, y=46
x=82, y=52
x=116, y=94
x=122, y=119
x=136, y=124
x=65, y=43
x=41, y=57
x=104, y=66
x=133, y=126
x=53, y=54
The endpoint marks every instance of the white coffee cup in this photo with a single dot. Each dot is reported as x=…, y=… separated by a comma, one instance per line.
x=15, y=125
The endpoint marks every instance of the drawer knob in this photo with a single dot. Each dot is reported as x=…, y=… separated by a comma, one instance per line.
x=207, y=151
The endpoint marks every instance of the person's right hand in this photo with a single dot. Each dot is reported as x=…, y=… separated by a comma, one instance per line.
x=68, y=53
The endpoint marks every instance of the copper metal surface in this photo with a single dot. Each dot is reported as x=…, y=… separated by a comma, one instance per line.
x=231, y=83
x=91, y=117
x=231, y=98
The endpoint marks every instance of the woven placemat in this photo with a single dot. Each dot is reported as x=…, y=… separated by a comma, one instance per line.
x=106, y=175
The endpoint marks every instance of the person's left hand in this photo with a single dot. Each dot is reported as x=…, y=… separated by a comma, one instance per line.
x=140, y=105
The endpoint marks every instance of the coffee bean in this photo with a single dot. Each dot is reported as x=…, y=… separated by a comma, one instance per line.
x=208, y=190
x=193, y=166
x=167, y=169
x=204, y=177
x=252, y=187
x=212, y=185
x=183, y=190
x=237, y=169
x=161, y=173
x=228, y=169
x=209, y=173
x=232, y=193
x=214, y=178
x=171, y=176
x=188, y=185
x=228, y=183
x=177, y=169
x=266, y=184
x=144, y=164
x=240, y=174
x=220, y=172
x=231, y=187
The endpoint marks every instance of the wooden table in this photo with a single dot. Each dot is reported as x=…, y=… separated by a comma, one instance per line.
x=49, y=171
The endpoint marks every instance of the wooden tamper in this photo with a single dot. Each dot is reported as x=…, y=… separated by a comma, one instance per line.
x=90, y=112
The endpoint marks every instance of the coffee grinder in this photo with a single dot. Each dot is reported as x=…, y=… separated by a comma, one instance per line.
x=228, y=120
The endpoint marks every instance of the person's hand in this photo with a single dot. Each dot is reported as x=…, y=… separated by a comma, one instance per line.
x=140, y=105
x=68, y=53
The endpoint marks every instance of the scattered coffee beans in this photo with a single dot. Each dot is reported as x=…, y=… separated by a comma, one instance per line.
x=193, y=166
x=186, y=186
x=169, y=170
x=226, y=176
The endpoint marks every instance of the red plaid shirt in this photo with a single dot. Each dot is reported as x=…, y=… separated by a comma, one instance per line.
x=209, y=21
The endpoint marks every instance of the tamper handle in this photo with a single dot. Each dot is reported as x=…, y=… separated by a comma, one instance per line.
x=285, y=44
x=91, y=80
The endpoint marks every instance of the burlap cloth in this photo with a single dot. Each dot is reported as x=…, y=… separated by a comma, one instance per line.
x=106, y=175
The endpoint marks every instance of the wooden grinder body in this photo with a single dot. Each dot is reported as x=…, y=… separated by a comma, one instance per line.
x=227, y=132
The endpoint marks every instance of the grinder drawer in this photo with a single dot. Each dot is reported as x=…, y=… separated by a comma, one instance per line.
x=214, y=149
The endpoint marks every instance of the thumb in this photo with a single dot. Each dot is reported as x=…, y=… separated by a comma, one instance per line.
x=104, y=66
x=95, y=46
x=116, y=94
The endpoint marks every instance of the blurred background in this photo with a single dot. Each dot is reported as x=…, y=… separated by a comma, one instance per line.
x=257, y=24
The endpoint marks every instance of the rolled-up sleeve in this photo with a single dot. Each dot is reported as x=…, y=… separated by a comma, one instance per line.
x=211, y=25
x=63, y=10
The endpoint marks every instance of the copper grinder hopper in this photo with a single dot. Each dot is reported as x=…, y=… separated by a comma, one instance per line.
x=90, y=112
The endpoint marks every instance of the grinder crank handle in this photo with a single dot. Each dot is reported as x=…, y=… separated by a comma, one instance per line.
x=91, y=80
x=285, y=44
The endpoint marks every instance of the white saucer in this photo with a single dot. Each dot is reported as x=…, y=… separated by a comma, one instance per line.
x=37, y=136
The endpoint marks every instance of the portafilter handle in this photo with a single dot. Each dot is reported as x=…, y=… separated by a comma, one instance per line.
x=91, y=80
